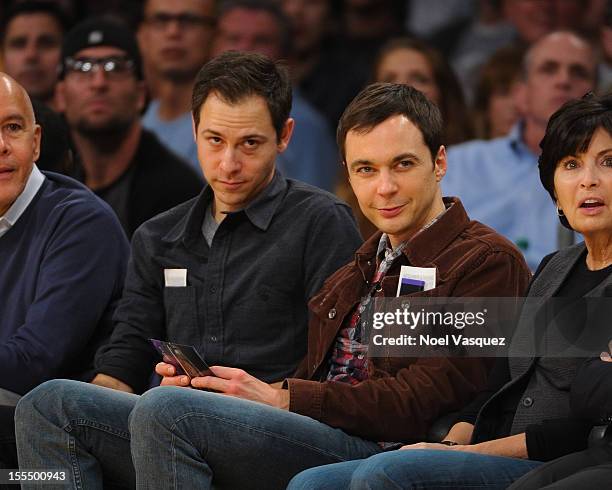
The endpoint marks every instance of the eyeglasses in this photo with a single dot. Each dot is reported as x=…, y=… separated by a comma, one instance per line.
x=114, y=67
x=161, y=21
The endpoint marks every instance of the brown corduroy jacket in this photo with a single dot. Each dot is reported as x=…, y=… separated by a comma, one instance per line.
x=403, y=396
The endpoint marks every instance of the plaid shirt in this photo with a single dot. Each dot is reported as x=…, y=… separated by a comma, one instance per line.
x=349, y=360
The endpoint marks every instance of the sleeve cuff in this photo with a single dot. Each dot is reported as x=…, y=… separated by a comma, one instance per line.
x=306, y=397
x=133, y=381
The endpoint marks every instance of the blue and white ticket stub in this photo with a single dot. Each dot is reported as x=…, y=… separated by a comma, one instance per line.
x=415, y=279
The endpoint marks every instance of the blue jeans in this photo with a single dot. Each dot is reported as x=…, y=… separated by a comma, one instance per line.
x=178, y=438
x=416, y=469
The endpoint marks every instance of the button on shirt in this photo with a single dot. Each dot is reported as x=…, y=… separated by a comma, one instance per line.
x=499, y=184
x=245, y=301
x=33, y=184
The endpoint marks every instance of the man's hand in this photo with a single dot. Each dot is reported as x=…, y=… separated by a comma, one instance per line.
x=605, y=356
x=238, y=383
x=427, y=445
x=110, y=382
x=169, y=377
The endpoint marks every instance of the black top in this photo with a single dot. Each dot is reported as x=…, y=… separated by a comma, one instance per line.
x=591, y=394
x=551, y=438
x=245, y=302
x=155, y=181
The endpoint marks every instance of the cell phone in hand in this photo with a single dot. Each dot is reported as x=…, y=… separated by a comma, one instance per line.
x=184, y=358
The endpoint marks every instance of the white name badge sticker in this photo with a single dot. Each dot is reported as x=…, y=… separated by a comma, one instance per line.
x=175, y=278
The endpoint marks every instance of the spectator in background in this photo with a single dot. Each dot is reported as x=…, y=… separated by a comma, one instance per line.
x=175, y=38
x=534, y=19
x=101, y=93
x=56, y=153
x=469, y=43
x=261, y=27
x=327, y=73
x=64, y=257
x=498, y=179
x=32, y=35
x=605, y=40
x=411, y=62
x=495, y=110
x=426, y=17
x=368, y=23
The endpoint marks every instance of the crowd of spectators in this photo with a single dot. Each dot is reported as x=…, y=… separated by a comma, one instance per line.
x=467, y=57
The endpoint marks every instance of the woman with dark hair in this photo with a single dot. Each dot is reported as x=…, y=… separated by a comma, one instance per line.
x=523, y=418
x=411, y=62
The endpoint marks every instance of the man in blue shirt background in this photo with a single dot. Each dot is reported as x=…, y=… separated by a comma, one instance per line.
x=498, y=180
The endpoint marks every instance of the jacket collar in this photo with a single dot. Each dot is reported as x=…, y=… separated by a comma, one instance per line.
x=260, y=211
x=425, y=246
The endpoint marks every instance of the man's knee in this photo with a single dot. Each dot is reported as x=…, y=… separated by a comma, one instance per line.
x=158, y=406
x=52, y=397
x=387, y=469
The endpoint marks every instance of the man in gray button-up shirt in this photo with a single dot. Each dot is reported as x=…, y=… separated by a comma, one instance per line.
x=254, y=246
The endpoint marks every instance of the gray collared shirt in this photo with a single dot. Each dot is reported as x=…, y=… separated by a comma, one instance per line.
x=245, y=299
x=33, y=184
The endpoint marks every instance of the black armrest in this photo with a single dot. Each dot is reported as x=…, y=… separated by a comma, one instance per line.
x=440, y=427
x=600, y=434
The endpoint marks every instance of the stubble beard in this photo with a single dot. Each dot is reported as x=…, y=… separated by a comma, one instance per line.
x=105, y=137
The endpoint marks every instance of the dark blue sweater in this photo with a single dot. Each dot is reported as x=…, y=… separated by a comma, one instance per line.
x=62, y=268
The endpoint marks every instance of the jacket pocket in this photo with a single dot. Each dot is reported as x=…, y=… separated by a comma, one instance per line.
x=181, y=308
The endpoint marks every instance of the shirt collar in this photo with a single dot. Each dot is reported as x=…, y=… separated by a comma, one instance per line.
x=33, y=184
x=517, y=143
x=260, y=211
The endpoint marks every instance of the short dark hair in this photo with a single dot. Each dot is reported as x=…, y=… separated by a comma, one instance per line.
x=380, y=101
x=35, y=7
x=235, y=75
x=282, y=21
x=569, y=132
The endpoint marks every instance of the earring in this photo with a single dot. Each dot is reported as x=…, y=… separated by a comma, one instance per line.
x=560, y=212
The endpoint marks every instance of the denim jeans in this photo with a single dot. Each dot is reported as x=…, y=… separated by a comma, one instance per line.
x=416, y=469
x=78, y=428
x=178, y=438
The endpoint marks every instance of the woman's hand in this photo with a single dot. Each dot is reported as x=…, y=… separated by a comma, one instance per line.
x=429, y=445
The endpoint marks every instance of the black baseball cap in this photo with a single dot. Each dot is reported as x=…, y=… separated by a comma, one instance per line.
x=101, y=31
